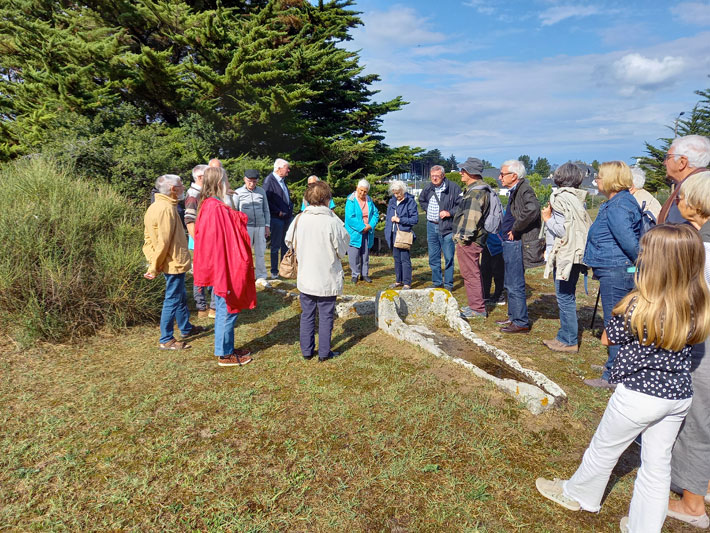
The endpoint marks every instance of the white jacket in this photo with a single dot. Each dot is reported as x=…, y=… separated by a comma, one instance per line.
x=321, y=242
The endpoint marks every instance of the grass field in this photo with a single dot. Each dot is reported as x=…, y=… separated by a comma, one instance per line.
x=114, y=434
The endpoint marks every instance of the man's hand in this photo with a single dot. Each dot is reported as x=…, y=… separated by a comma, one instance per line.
x=267, y=231
x=510, y=236
x=149, y=275
x=444, y=214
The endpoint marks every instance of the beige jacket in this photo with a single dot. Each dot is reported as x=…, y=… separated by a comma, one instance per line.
x=165, y=245
x=569, y=249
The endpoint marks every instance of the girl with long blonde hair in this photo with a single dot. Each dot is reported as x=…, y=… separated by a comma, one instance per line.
x=654, y=326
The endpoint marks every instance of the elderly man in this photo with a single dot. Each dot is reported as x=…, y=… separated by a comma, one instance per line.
x=165, y=248
x=439, y=200
x=522, y=246
x=192, y=202
x=304, y=204
x=281, y=209
x=470, y=235
x=643, y=197
x=686, y=156
x=251, y=200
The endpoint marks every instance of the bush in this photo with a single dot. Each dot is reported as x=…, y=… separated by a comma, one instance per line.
x=72, y=259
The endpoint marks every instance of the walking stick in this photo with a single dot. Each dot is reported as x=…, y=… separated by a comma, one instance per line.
x=594, y=313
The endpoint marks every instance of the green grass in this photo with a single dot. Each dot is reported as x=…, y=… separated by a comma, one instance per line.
x=113, y=434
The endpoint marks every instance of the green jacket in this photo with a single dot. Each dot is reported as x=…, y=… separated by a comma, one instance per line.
x=470, y=215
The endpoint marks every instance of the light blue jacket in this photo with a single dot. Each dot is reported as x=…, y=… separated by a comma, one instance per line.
x=354, y=223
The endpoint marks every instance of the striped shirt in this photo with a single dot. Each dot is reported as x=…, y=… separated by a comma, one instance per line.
x=432, y=212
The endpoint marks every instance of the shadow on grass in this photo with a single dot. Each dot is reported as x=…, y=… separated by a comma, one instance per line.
x=628, y=462
x=353, y=331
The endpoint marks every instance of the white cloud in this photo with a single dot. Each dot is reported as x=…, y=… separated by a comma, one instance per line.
x=556, y=14
x=697, y=13
x=635, y=72
x=483, y=7
x=399, y=26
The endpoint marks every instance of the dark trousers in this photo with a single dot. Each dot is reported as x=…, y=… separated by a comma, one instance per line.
x=492, y=270
x=325, y=305
x=402, y=266
x=278, y=232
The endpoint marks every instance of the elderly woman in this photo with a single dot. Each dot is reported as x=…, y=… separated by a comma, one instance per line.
x=320, y=240
x=613, y=245
x=223, y=261
x=643, y=197
x=566, y=225
x=401, y=216
x=360, y=219
x=690, y=468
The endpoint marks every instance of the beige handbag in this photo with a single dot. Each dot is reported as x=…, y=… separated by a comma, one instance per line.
x=288, y=267
x=403, y=239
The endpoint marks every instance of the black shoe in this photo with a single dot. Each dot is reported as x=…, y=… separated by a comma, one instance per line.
x=309, y=357
x=331, y=355
x=366, y=279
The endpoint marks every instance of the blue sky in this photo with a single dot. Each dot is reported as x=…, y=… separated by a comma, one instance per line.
x=563, y=80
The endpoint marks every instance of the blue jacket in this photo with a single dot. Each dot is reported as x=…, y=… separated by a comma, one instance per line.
x=277, y=201
x=613, y=238
x=355, y=225
x=407, y=213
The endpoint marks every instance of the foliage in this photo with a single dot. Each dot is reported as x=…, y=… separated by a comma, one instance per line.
x=697, y=123
x=595, y=165
x=542, y=167
x=542, y=192
x=527, y=161
x=492, y=182
x=141, y=88
x=72, y=260
x=451, y=162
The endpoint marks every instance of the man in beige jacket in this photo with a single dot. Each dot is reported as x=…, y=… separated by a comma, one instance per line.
x=165, y=248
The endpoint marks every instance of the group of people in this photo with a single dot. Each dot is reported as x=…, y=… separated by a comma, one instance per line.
x=653, y=285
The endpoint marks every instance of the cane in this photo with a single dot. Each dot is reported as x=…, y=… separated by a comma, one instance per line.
x=594, y=313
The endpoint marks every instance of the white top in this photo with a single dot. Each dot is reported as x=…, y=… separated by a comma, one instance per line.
x=321, y=243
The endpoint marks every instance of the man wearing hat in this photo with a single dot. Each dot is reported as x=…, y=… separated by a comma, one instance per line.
x=470, y=235
x=251, y=200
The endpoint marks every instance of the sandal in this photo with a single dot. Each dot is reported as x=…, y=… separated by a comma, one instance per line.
x=173, y=344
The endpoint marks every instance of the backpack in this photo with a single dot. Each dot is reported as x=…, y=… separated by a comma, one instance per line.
x=648, y=220
x=494, y=220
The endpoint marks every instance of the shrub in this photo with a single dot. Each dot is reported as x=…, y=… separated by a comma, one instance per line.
x=72, y=259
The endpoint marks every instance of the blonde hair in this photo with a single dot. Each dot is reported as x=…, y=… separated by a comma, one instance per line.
x=670, y=306
x=696, y=192
x=615, y=176
x=213, y=184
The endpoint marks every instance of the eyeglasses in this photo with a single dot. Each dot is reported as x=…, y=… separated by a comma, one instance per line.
x=668, y=156
x=505, y=173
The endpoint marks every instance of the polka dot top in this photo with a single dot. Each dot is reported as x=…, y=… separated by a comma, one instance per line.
x=648, y=369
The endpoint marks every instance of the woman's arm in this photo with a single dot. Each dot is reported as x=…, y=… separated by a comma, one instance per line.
x=621, y=226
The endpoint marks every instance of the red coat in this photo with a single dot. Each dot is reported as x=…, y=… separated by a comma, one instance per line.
x=222, y=258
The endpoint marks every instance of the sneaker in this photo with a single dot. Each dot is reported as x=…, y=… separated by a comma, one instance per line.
x=624, y=525
x=274, y=276
x=552, y=490
x=262, y=282
x=467, y=312
x=557, y=346
x=599, y=383
x=395, y=285
x=212, y=313
x=501, y=300
x=354, y=280
x=406, y=287
x=234, y=359
x=366, y=279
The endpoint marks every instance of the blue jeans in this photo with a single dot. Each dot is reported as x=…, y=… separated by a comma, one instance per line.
x=223, y=328
x=515, y=283
x=278, y=232
x=174, y=308
x=614, y=284
x=402, y=266
x=438, y=244
x=567, y=304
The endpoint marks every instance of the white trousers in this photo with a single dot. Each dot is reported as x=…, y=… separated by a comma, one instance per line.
x=628, y=414
x=258, y=245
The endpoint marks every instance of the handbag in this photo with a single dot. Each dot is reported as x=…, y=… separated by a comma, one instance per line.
x=288, y=267
x=403, y=239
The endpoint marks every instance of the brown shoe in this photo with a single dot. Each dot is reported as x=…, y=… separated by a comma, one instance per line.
x=203, y=313
x=234, y=360
x=196, y=330
x=212, y=313
x=557, y=346
x=173, y=344
x=512, y=328
x=506, y=322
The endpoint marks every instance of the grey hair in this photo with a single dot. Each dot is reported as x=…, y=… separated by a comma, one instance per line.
x=695, y=147
x=567, y=175
x=312, y=179
x=166, y=181
x=397, y=185
x=279, y=163
x=638, y=176
x=198, y=171
x=516, y=167
x=363, y=183
x=439, y=169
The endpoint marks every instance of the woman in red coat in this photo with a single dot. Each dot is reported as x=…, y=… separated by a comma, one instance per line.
x=223, y=260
